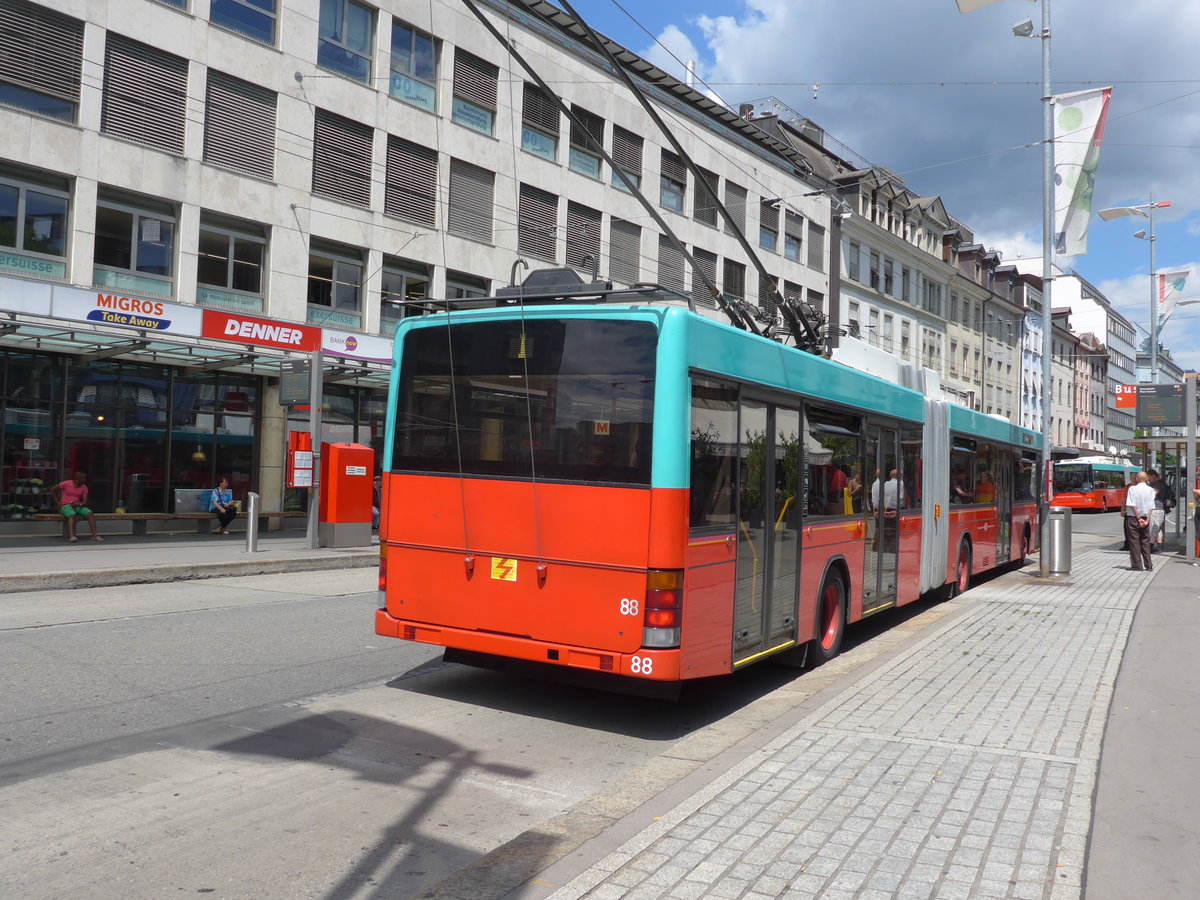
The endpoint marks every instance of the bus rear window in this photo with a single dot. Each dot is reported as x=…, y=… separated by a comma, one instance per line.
x=564, y=399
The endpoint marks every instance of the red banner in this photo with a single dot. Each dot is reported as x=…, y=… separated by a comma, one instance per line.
x=228, y=326
x=1126, y=396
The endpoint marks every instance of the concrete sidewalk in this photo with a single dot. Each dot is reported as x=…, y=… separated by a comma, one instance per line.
x=39, y=563
x=961, y=763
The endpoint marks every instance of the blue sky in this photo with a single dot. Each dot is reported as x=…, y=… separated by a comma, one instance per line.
x=947, y=100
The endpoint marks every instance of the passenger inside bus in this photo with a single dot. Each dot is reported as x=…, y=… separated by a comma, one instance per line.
x=985, y=488
x=959, y=492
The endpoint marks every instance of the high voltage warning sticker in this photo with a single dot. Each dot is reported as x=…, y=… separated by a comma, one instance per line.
x=504, y=569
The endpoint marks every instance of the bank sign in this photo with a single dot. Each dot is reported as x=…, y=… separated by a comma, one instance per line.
x=108, y=308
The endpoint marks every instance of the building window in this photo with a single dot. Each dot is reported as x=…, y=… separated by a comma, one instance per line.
x=539, y=123
x=335, y=276
x=816, y=300
x=816, y=247
x=341, y=159
x=670, y=264
x=469, y=210
x=145, y=94
x=768, y=225
x=735, y=206
x=587, y=137
x=874, y=271
x=254, y=19
x=346, y=39
x=135, y=245
x=706, y=198
x=735, y=280
x=33, y=225
x=889, y=278
x=768, y=290
x=793, y=236
x=474, y=92
x=672, y=182
x=41, y=57
x=410, y=189
x=414, y=67
x=537, y=223
x=854, y=262
x=906, y=284
x=624, y=252
x=461, y=286
x=706, y=271
x=583, y=236
x=232, y=257
x=239, y=125
x=405, y=285
x=627, y=156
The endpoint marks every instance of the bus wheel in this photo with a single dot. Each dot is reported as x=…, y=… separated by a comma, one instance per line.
x=962, y=570
x=831, y=619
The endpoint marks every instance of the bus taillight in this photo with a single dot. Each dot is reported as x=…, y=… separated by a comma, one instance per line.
x=383, y=576
x=664, y=608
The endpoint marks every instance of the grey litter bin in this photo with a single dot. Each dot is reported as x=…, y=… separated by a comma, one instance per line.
x=1060, y=540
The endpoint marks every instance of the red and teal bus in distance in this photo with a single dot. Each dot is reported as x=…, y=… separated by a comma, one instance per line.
x=1091, y=483
x=636, y=489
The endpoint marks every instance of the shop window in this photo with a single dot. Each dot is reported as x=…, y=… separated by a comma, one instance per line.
x=41, y=58
x=231, y=264
x=33, y=224
x=474, y=92
x=239, y=125
x=145, y=94
x=341, y=159
x=254, y=19
x=135, y=246
x=539, y=123
x=414, y=67
x=404, y=287
x=346, y=38
x=587, y=137
x=334, y=286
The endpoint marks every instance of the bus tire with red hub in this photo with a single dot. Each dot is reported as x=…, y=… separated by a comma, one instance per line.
x=831, y=619
x=962, y=570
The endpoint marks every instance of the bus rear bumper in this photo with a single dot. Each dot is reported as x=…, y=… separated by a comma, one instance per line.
x=653, y=665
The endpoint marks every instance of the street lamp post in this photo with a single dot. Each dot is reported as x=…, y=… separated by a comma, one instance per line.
x=1145, y=211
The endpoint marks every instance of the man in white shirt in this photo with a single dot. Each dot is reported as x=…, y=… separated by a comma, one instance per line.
x=1139, y=504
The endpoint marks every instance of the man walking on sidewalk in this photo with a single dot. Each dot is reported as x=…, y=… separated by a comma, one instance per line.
x=1139, y=504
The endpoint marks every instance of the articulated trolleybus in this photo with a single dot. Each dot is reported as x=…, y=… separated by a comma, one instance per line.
x=636, y=489
x=1092, y=483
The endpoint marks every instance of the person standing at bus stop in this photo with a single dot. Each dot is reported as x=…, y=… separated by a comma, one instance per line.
x=1164, y=502
x=70, y=497
x=1139, y=504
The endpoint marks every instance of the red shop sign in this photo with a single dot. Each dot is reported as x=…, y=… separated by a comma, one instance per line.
x=261, y=332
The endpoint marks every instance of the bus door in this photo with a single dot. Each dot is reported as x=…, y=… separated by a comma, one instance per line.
x=883, y=504
x=768, y=529
x=1004, y=495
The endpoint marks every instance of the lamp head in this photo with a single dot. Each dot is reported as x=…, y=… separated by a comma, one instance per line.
x=1116, y=212
x=1140, y=234
x=1024, y=28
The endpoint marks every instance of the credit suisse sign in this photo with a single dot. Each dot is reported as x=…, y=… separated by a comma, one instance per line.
x=227, y=326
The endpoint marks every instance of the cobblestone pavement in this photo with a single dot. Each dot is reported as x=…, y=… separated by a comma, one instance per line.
x=963, y=768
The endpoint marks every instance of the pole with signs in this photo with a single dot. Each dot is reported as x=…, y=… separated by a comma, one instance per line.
x=315, y=399
x=1187, y=473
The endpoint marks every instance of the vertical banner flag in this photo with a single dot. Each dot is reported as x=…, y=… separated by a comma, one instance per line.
x=1168, y=286
x=1078, y=129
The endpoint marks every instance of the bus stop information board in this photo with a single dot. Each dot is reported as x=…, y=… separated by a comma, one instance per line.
x=1159, y=404
x=294, y=387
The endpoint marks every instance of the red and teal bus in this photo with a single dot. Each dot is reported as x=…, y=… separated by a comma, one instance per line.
x=636, y=489
x=1095, y=484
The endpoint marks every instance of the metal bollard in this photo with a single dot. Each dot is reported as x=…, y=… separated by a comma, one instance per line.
x=252, y=524
x=1060, y=540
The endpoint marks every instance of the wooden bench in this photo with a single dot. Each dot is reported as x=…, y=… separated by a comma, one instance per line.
x=141, y=520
